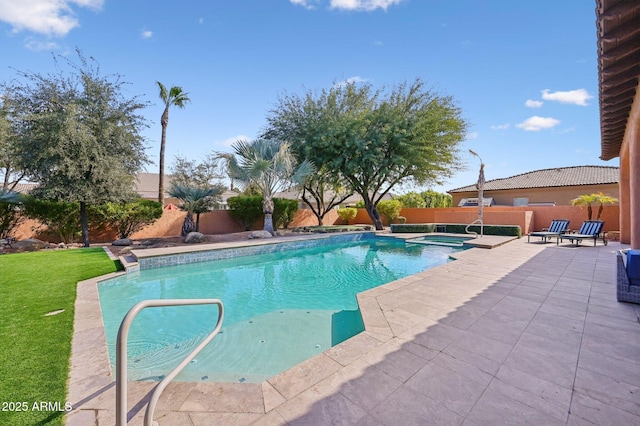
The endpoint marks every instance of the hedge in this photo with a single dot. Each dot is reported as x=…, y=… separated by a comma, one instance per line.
x=455, y=228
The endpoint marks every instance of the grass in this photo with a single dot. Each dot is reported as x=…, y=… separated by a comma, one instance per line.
x=34, y=360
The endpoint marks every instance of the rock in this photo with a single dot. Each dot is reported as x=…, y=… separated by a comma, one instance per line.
x=151, y=241
x=194, y=237
x=30, y=244
x=124, y=251
x=122, y=242
x=260, y=234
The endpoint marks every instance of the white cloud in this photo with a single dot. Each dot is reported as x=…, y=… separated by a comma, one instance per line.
x=146, y=34
x=471, y=136
x=309, y=4
x=201, y=21
x=501, y=126
x=362, y=5
x=536, y=123
x=49, y=17
x=351, y=80
x=576, y=97
x=230, y=141
x=533, y=104
x=36, y=45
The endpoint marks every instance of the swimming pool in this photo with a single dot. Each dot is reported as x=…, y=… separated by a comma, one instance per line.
x=280, y=308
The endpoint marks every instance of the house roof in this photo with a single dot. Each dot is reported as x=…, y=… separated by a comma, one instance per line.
x=147, y=184
x=618, y=27
x=550, y=178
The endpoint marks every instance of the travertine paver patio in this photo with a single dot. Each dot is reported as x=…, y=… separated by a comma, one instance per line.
x=519, y=334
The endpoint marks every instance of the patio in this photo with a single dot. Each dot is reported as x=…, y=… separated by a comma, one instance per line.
x=518, y=334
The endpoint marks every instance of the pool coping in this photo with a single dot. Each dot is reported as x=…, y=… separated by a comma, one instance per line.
x=91, y=385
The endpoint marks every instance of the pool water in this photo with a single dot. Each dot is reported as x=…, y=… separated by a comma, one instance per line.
x=280, y=308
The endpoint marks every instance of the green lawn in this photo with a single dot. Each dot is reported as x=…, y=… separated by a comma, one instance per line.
x=35, y=349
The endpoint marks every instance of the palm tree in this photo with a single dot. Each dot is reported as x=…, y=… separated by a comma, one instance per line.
x=271, y=166
x=174, y=96
x=604, y=199
x=195, y=200
x=586, y=200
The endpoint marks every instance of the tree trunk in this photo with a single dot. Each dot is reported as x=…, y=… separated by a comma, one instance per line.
x=188, y=225
x=375, y=216
x=267, y=209
x=589, y=211
x=164, y=120
x=600, y=211
x=197, y=222
x=85, y=224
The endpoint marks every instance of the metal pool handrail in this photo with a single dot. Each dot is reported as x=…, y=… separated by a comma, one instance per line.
x=121, y=354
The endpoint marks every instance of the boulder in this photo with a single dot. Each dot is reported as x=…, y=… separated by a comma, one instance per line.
x=122, y=242
x=151, y=242
x=30, y=244
x=260, y=234
x=194, y=238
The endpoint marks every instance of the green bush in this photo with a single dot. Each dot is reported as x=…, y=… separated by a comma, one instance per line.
x=411, y=200
x=506, y=230
x=347, y=213
x=10, y=217
x=245, y=209
x=389, y=209
x=284, y=210
x=436, y=199
x=127, y=218
x=397, y=228
x=60, y=218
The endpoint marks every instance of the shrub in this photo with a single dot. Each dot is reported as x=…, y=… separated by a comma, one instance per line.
x=507, y=230
x=411, y=200
x=436, y=199
x=347, y=213
x=10, y=217
x=127, y=218
x=284, y=211
x=389, y=209
x=245, y=209
x=61, y=218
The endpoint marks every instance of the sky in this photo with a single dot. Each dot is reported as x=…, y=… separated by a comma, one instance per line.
x=523, y=73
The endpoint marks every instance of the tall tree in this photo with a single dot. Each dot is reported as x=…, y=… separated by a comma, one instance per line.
x=208, y=173
x=271, y=166
x=375, y=139
x=172, y=97
x=81, y=139
x=10, y=172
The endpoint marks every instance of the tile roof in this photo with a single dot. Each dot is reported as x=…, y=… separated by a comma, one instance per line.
x=549, y=178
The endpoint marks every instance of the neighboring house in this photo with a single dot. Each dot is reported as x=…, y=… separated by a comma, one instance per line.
x=618, y=24
x=556, y=186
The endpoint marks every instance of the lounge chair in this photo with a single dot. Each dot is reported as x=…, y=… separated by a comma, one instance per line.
x=557, y=228
x=628, y=288
x=590, y=230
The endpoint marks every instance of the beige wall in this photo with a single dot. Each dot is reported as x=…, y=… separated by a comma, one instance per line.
x=562, y=196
